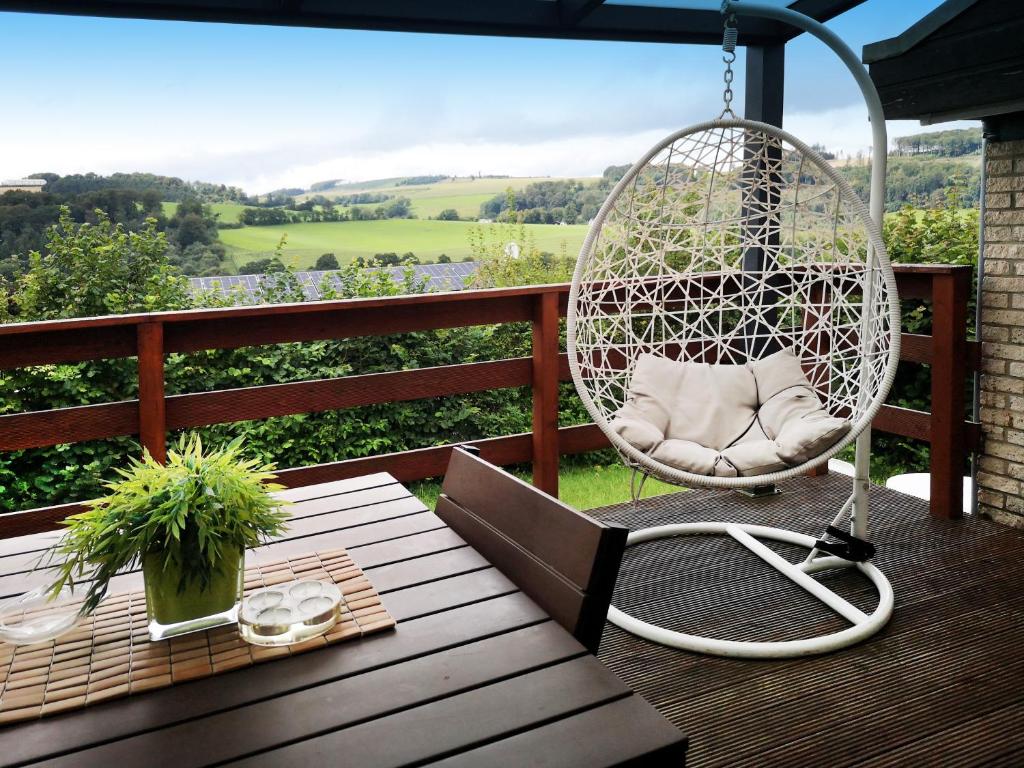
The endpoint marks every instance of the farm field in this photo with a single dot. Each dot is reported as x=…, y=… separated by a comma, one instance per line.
x=225, y=211
x=465, y=195
x=348, y=239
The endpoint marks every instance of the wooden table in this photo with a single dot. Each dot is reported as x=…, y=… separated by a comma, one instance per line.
x=474, y=675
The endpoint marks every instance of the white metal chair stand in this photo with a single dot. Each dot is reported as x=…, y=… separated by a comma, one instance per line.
x=665, y=272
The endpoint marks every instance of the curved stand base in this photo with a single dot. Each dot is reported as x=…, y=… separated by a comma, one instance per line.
x=864, y=625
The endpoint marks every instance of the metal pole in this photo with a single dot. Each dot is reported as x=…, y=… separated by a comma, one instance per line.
x=876, y=203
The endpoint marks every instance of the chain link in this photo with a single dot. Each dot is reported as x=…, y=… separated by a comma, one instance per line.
x=727, y=93
x=730, y=35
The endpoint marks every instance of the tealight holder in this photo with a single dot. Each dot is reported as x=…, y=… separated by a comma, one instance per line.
x=289, y=613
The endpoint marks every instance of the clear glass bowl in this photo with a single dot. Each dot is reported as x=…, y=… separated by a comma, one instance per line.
x=36, y=617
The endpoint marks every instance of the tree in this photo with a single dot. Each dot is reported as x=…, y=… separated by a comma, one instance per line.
x=99, y=269
x=444, y=258
x=448, y=214
x=262, y=266
x=399, y=208
x=387, y=259
x=326, y=261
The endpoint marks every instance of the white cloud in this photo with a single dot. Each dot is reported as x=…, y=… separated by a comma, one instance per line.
x=573, y=145
x=848, y=130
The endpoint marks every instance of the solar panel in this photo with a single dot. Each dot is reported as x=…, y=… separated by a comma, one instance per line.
x=248, y=289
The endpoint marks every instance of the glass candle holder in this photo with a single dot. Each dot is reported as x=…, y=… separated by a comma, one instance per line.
x=289, y=613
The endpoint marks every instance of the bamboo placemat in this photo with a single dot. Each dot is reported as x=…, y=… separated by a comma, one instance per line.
x=109, y=654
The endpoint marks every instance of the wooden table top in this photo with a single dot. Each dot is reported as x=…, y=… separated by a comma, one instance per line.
x=476, y=674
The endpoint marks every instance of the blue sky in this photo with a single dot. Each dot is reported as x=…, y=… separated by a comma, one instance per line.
x=265, y=107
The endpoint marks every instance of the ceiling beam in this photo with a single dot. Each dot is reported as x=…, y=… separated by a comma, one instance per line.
x=510, y=18
x=574, y=11
x=820, y=10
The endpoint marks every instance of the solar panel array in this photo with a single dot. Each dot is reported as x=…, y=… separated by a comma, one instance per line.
x=249, y=288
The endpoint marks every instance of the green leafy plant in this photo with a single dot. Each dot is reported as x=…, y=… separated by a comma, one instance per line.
x=193, y=513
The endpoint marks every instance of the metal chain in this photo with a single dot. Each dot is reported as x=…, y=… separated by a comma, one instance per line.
x=730, y=35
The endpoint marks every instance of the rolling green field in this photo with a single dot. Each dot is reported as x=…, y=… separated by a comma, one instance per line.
x=226, y=211
x=465, y=195
x=348, y=239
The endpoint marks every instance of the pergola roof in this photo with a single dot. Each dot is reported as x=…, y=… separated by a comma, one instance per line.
x=962, y=60
x=630, y=20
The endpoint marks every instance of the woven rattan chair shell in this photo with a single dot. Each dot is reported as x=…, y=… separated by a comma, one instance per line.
x=661, y=271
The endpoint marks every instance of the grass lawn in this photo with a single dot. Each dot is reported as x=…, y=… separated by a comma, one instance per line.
x=582, y=487
x=348, y=239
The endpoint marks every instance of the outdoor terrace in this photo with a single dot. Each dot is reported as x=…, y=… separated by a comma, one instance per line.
x=942, y=684
x=935, y=686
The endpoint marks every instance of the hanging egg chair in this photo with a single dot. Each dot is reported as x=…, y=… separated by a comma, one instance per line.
x=734, y=322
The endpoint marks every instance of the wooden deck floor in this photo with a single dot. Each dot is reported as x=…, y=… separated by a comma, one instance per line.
x=941, y=685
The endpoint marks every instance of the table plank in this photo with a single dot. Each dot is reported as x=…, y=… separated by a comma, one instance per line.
x=435, y=596
x=625, y=731
x=55, y=735
x=337, y=487
x=458, y=722
x=259, y=727
x=405, y=573
x=373, y=503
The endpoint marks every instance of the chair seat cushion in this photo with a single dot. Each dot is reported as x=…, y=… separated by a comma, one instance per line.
x=753, y=454
x=726, y=420
x=689, y=457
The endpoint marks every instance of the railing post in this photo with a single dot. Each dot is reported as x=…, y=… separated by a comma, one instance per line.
x=949, y=374
x=545, y=392
x=152, y=412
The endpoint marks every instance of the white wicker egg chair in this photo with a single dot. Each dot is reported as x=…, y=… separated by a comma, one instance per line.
x=727, y=242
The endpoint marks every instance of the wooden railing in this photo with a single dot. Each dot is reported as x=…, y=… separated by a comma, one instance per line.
x=150, y=337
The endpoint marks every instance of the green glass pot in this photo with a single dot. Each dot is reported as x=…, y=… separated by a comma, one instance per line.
x=174, y=612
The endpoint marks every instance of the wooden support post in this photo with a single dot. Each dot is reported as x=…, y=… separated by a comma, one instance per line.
x=545, y=393
x=152, y=416
x=949, y=375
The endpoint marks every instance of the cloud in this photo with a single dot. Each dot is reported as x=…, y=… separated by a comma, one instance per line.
x=446, y=138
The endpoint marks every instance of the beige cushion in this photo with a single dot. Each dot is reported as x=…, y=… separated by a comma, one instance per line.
x=726, y=420
x=808, y=436
x=651, y=391
x=776, y=373
x=752, y=454
x=687, y=456
x=790, y=411
x=632, y=428
x=713, y=405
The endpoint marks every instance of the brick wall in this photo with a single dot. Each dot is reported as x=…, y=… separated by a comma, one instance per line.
x=1001, y=467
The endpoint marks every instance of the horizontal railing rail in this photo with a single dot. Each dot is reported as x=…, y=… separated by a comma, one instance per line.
x=150, y=337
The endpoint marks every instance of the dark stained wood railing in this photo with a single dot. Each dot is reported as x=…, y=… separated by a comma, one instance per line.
x=150, y=337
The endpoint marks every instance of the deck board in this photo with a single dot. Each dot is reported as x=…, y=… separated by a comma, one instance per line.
x=942, y=683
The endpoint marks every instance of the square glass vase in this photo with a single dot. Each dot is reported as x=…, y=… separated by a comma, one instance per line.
x=172, y=611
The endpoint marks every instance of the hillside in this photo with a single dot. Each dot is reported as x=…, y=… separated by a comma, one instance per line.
x=348, y=239
x=465, y=195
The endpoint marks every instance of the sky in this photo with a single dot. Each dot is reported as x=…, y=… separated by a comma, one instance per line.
x=269, y=107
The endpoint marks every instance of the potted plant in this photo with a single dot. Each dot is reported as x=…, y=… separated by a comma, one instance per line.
x=187, y=523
